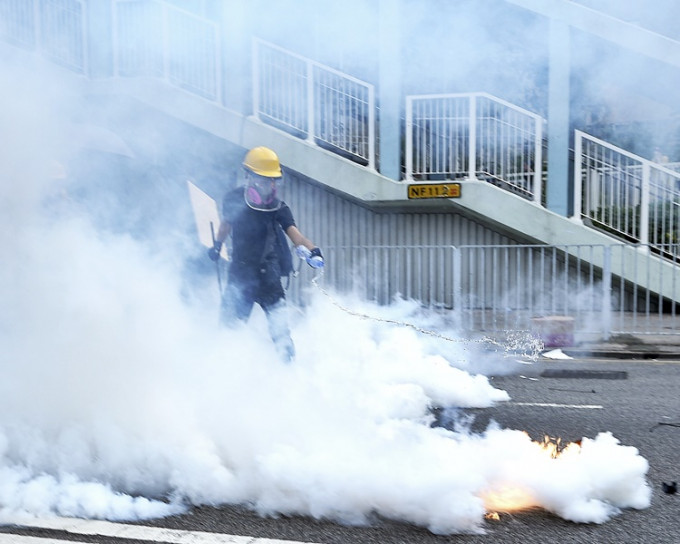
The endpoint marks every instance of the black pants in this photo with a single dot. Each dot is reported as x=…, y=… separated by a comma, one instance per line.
x=261, y=285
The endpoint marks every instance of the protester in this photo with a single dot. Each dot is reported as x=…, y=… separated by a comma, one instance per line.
x=256, y=218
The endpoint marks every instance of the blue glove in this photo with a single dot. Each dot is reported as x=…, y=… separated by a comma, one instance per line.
x=313, y=257
x=303, y=252
x=214, y=252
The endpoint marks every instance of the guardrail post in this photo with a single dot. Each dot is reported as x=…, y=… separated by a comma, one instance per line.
x=472, y=137
x=644, y=203
x=607, y=293
x=371, y=127
x=538, y=161
x=578, y=176
x=408, y=152
x=311, y=124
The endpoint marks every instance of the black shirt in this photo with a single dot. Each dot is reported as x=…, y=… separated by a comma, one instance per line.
x=249, y=228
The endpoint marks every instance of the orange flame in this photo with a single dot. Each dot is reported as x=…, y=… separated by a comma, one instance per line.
x=555, y=448
x=507, y=499
x=512, y=497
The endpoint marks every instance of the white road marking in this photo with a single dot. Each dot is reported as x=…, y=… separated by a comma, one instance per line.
x=121, y=530
x=19, y=539
x=554, y=405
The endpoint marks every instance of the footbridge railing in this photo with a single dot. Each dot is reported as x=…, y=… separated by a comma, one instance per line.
x=627, y=195
x=326, y=107
x=56, y=30
x=475, y=136
x=182, y=50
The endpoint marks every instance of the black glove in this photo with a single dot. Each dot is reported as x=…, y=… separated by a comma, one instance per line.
x=315, y=259
x=214, y=252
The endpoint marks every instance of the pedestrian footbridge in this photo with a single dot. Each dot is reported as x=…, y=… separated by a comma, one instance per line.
x=462, y=177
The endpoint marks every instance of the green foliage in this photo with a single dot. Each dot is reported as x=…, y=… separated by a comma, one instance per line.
x=624, y=222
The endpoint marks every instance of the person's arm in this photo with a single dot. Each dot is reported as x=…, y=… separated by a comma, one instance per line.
x=304, y=248
x=223, y=231
x=298, y=238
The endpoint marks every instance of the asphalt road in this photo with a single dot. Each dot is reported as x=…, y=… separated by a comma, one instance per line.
x=640, y=406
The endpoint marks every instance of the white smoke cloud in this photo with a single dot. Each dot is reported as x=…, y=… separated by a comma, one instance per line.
x=121, y=398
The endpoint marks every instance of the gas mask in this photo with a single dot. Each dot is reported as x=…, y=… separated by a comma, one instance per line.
x=261, y=192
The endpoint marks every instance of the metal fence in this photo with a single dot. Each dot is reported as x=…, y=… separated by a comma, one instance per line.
x=54, y=28
x=312, y=101
x=474, y=136
x=381, y=273
x=627, y=195
x=155, y=39
x=602, y=289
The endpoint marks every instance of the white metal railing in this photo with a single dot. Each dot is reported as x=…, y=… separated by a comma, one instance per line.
x=155, y=39
x=504, y=288
x=627, y=195
x=312, y=101
x=474, y=136
x=380, y=273
x=599, y=286
x=55, y=28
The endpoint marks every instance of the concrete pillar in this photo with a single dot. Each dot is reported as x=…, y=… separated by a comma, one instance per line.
x=236, y=56
x=558, y=191
x=99, y=29
x=389, y=89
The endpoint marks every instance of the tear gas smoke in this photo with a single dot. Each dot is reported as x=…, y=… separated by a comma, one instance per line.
x=121, y=398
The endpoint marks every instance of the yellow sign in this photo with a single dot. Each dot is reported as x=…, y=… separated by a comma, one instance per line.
x=434, y=190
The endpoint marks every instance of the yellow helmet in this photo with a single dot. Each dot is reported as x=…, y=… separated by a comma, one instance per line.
x=263, y=162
